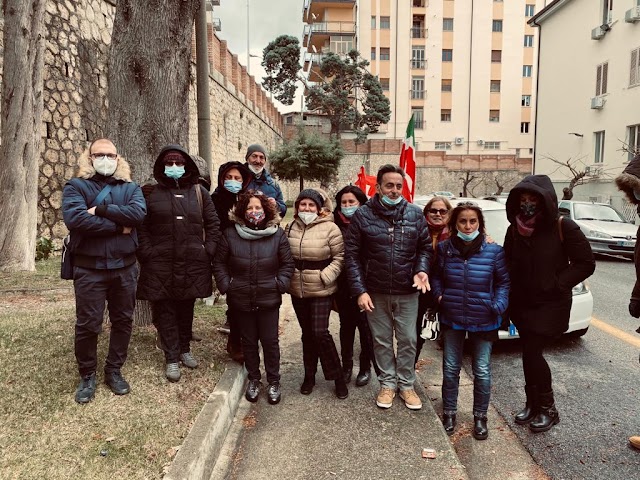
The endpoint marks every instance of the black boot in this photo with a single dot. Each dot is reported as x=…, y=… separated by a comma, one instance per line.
x=480, y=430
x=363, y=378
x=449, y=422
x=341, y=388
x=530, y=409
x=347, y=372
x=547, y=415
x=307, y=384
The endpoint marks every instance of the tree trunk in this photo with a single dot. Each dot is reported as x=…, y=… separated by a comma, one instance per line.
x=301, y=183
x=149, y=77
x=21, y=132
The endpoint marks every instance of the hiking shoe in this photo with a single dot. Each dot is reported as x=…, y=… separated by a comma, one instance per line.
x=188, y=360
x=411, y=399
x=385, y=397
x=116, y=383
x=86, y=388
x=172, y=372
x=253, y=391
x=273, y=393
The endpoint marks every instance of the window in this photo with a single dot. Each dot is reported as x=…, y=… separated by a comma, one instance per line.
x=384, y=83
x=373, y=53
x=373, y=22
x=340, y=44
x=417, y=57
x=529, y=10
x=633, y=140
x=524, y=127
x=417, y=87
x=494, y=115
x=496, y=26
x=447, y=55
x=418, y=118
x=602, y=71
x=385, y=54
x=289, y=120
x=528, y=40
x=446, y=85
x=526, y=100
x=495, y=86
x=496, y=56
x=598, y=156
x=526, y=70
x=492, y=145
x=607, y=11
x=634, y=70
x=418, y=3
x=385, y=23
x=445, y=115
x=447, y=24
x=443, y=146
x=417, y=27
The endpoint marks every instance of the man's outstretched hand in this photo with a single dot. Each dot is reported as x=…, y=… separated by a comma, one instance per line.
x=421, y=282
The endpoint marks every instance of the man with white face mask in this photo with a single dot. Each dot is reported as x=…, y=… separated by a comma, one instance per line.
x=102, y=207
x=256, y=158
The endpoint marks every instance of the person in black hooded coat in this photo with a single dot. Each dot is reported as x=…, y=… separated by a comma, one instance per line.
x=544, y=265
x=178, y=241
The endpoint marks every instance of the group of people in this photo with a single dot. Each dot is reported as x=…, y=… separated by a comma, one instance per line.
x=383, y=263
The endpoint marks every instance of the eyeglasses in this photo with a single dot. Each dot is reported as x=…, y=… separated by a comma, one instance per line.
x=441, y=211
x=110, y=156
x=177, y=163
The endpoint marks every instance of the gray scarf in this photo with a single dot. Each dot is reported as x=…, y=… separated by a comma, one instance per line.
x=251, y=234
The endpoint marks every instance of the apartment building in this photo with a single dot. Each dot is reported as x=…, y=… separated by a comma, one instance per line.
x=465, y=70
x=588, y=92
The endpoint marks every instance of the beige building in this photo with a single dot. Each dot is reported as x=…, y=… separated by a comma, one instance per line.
x=589, y=91
x=466, y=71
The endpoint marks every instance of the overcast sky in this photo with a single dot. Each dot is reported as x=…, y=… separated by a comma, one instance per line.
x=267, y=20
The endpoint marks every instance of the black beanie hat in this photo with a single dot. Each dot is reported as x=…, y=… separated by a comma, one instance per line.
x=311, y=194
x=256, y=147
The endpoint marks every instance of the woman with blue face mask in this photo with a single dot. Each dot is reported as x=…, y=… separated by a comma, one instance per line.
x=471, y=283
x=348, y=200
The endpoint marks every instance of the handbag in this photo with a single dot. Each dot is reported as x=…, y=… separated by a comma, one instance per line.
x=69, y=244
x=430, y=325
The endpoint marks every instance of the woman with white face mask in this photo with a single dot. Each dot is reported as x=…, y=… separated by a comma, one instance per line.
x=318, y=253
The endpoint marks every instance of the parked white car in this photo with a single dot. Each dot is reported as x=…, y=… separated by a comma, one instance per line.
x=496, y=224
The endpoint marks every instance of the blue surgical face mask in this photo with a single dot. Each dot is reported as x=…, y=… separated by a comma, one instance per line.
x=468, y=237
x=174, y=171
x=234, y=186
x=391, y=202
x=348, y=211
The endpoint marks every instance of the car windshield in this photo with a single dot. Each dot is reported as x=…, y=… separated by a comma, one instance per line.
x=605, y=213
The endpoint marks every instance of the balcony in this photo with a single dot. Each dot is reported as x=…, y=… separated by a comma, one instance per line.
x=418, y=32
x=317, y=7
x=417, y=94
x=418, y=64
x=311, y=65
x=318, y=33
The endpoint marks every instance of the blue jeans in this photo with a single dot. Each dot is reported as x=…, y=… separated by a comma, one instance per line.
x=452, y=362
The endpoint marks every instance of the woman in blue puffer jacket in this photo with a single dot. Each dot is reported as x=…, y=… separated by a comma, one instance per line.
x=471, y=283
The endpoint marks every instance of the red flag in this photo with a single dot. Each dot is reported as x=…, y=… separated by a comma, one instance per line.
x=408, y=163
x=366, y=183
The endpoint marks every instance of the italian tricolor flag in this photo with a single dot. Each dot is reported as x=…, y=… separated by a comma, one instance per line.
x=408, y=162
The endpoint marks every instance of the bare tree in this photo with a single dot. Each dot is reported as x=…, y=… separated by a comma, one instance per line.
x=577, y=172
x=466, y=180
x=21, y=132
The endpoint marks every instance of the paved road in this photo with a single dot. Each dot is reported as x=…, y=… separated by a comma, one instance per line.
x=597, y=386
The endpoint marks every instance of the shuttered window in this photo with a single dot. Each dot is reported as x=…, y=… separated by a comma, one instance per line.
x=634, y=72
x=601, y=78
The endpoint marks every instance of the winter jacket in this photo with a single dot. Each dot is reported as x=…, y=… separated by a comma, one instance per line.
x=253, y=273
x=222, y=198
x=269, y=187
x=318, y=252
x=98, y=239
x=175, y=261
x=386, y=247
x=475, y=291
x=543, y=268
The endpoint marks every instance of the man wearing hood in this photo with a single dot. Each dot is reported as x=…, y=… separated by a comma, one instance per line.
x=256, y=158
x=629, y=183
x=102, y=207
x=547, y=256
x=178, y=240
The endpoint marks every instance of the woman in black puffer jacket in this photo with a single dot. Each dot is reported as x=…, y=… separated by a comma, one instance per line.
x=253, y=267
x=177, y=243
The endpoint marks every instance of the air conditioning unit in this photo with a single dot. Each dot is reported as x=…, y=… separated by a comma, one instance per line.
x=597, y=103
x=593, y=171
x=480, y=142
x=632, y=15
x=459, y=140
x=599, y=32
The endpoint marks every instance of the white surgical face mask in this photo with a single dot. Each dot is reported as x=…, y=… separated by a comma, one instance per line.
x=256, y=170
x=105, y=166
x=307, y=217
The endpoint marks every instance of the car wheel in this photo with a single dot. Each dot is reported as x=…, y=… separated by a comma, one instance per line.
x=578, y=333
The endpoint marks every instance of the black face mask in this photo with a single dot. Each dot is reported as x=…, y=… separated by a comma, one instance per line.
x=528, y=209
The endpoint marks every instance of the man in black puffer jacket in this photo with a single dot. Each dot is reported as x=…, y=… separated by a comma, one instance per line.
x=388, y=252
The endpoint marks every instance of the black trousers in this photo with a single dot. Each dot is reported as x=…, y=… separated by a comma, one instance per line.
x=235, y=336
x=317, y=342
x=93, y=288
x=174, y=321
x=536, y=369
x=351, y=318
x=260, y=325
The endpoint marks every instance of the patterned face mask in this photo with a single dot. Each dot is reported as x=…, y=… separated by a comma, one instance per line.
x=528, y=209
x=254, y=217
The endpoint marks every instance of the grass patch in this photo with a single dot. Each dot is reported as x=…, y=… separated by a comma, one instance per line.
x=45, y=434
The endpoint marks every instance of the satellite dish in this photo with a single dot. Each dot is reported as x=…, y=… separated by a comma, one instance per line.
x=315, y=50
x=314, y=16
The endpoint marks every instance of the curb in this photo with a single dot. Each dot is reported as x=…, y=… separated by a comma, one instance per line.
x=199, y=452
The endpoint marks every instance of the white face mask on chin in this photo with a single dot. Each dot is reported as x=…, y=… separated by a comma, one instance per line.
x=257, y=170
x=105, y=166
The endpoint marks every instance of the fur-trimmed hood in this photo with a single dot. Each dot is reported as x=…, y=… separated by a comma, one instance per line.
x=85, y=168
x=629, y=180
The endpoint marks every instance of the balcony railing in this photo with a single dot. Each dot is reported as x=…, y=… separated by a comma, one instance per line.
x=418, y=124
x=417, y=94
x=418, y=64
x=418, y=32
x=333, y=27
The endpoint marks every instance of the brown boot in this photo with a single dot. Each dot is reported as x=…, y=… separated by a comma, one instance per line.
x=235, y=351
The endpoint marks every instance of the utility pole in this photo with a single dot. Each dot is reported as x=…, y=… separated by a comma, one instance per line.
x=202, y=73
x=248, y=45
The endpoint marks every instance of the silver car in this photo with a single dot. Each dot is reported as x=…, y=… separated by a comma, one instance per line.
x=606, y=229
